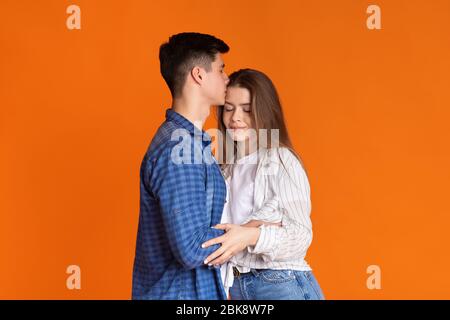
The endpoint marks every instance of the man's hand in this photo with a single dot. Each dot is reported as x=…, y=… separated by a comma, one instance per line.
x=235, y=239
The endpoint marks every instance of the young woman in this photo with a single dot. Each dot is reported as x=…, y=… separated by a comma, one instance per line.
x=267, y=189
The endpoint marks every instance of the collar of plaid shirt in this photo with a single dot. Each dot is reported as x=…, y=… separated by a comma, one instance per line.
x=172, y=115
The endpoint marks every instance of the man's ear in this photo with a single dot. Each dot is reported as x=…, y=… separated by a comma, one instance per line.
x=198, y=74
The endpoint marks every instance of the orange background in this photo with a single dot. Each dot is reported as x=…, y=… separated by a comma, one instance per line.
x=367, y=110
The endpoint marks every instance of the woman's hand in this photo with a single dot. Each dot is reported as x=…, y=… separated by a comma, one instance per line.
x=235, y=239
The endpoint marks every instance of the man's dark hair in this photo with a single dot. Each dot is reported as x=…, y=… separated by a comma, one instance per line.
x=183, y=52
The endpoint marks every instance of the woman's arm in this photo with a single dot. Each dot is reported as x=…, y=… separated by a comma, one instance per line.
x=293, y=238
x=269, y=211
x=259, y=223
x=274, y=243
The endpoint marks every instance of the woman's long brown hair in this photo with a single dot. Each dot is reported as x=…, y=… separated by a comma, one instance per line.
x=266, y=109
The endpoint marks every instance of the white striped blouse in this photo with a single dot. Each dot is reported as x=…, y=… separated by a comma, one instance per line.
x=281, y=191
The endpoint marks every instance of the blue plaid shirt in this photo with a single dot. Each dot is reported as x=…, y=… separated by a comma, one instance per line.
x=179, y=204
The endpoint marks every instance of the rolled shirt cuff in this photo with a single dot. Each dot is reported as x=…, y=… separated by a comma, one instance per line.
x=265, y=243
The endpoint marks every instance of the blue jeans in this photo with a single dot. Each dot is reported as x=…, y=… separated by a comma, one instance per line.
x=272, y=284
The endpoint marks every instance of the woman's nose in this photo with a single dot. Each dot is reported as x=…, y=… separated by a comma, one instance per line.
x=236, y=116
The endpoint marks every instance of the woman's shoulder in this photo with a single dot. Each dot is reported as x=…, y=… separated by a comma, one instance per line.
x=282, y=155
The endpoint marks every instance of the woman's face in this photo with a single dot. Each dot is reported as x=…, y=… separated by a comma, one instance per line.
x=237, y=114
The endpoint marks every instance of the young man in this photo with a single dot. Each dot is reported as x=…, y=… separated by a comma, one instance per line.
x=180, y=201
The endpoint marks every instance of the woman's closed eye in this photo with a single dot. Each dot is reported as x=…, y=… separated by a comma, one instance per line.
x=228, y=108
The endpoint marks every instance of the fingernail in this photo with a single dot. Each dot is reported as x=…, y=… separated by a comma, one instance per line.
x=203, y=245
x=206, y=261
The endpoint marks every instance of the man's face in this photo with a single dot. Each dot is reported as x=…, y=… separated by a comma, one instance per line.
x=215, y=84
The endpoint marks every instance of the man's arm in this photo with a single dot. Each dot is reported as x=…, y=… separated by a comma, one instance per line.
x=180, y=190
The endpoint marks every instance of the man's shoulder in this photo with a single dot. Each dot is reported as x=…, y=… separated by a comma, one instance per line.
x=163, y=140
x=174, y=144
x=172, y=139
